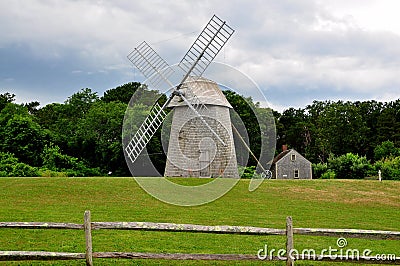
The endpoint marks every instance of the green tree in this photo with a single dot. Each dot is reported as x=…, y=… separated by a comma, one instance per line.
x=388, y=123
x=100, y=136
x=385, y=150
x=6, y=98
x=296, y=129
x=32, y=107
x=121, y=93
x=9, y=111
x=24, y=138
x=50, y=115
x=334, y=127
x=268, y=134
x=79, y=103
x=246, y=109
x=370, y=112
x=21, y=134
x=64, y=119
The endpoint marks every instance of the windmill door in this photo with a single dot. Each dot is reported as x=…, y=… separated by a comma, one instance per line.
x=204, y=163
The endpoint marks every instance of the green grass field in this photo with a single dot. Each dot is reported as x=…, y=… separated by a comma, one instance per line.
x=357, y=204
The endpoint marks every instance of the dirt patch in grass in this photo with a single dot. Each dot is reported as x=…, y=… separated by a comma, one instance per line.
x=348, y=194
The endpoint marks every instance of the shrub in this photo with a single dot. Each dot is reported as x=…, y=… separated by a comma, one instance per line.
x=43, y=172
x=329, y=174
x=64, y=165
x=350, y=166
x=248, y=172
x=390, y=168
x=319, y=169
x=7, y=162
x=25, y=170
x=10, y=166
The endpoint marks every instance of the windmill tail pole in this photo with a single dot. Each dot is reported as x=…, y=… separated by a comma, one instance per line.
x=248, y=148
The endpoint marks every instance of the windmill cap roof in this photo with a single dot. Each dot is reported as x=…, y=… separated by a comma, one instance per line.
x=207, y=91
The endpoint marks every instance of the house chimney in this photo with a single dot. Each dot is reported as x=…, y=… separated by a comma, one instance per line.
x=284, y=147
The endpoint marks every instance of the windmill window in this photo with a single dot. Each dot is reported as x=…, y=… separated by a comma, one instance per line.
x=293, y=157
x=296, y=173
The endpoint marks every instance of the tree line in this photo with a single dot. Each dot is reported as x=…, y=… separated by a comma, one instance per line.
x=345, y=139
x=82, y=136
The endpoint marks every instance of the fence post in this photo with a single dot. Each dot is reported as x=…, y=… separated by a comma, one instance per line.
x=289, y=241
x=88, y=236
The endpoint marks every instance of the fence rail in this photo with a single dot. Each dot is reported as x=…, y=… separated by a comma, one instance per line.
x=40, y=225
x=224, y=229
x=88, y=226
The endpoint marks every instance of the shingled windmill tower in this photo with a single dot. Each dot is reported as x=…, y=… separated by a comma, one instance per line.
x=193, y=149
x=201, y=141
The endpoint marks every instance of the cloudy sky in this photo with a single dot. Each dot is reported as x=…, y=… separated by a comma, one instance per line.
x=297, y=51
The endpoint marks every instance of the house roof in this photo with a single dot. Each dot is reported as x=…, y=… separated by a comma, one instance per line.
x=207, y=91
x=280, y=156
x=284, y=153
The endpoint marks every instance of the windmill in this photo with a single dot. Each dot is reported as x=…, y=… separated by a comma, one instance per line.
x=201, y=139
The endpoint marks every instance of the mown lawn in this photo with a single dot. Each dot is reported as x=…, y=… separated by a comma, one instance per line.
x=317, y=203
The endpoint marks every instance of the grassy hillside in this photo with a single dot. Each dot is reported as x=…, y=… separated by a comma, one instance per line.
x=317, y=203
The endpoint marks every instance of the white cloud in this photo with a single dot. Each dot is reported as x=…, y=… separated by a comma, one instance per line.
x=308, y=49
x=371, y=15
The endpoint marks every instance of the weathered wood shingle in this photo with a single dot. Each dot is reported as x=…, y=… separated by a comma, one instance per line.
x=193, y=150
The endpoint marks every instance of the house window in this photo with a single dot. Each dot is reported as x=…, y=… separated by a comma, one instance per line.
x=296, y=173
x=293, y=157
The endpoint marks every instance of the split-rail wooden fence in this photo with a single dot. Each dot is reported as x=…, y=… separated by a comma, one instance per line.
x=88, y=256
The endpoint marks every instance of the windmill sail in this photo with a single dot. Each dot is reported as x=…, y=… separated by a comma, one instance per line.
x=151, y=65
x=150, y=125
x=206, y=47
